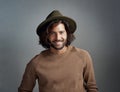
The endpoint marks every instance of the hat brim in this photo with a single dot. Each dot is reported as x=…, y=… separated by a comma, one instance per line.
x=42, y=27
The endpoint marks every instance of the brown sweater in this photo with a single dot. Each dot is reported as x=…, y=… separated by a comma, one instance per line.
x=70, y=72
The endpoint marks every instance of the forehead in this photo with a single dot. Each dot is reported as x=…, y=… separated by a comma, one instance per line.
x=57, y=27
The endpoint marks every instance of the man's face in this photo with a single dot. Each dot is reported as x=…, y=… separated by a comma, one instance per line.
x=58, y=36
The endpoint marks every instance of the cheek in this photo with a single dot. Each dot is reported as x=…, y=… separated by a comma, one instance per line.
x=51, y=38
x=65, y=36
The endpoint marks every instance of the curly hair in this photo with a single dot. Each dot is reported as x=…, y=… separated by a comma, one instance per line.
x=43, y=35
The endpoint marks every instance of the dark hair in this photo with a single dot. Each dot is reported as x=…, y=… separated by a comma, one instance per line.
x=43, y=35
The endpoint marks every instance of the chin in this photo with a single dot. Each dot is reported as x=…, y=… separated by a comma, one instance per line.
x=58, y=48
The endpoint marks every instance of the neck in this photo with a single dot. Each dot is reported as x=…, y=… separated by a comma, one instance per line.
x=63, y=50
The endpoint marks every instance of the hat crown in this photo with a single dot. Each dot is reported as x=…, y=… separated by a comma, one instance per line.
x=54, y=13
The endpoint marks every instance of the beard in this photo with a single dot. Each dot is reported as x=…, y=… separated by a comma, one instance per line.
x=58, y=44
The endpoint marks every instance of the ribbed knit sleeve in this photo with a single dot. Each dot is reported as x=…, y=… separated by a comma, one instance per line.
x=89, y=77
x=29, y=79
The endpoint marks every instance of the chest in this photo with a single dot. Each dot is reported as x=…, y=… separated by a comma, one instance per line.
x=59, y=71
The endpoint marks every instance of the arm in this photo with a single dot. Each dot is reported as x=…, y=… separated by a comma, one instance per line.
x=28, y=80
x=89, y=77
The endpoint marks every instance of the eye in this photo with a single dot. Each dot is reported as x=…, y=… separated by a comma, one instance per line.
x=52, y=33
x=61, y=32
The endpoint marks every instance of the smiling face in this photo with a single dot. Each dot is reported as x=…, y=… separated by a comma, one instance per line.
x=57, y=36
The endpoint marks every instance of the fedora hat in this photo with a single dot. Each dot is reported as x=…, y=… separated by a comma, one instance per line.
x=53, y=16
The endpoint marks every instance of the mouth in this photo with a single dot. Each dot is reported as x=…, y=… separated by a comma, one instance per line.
x=58, y=42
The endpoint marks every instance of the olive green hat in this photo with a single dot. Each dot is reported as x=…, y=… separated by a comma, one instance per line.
x=53, y=16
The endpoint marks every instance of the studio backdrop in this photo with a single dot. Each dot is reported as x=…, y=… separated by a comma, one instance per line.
x=97, y=31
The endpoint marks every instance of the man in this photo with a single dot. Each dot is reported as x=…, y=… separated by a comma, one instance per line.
x=61, y=67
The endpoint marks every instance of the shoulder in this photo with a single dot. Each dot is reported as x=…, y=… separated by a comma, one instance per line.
x=38, y=57
x=79, y=50
x=84, y=54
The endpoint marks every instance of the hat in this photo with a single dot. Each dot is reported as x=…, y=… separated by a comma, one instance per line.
x=53, y=16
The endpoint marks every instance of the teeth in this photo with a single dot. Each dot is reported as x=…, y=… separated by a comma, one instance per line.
x=58, y=43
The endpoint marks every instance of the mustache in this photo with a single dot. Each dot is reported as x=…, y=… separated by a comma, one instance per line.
x=58, y=41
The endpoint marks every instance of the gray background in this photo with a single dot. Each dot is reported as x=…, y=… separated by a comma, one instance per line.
x=98, y=32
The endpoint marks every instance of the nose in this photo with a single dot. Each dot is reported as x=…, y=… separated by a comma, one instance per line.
x=58, y=37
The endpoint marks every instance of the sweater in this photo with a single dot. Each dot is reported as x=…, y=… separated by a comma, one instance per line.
x=69, y=72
